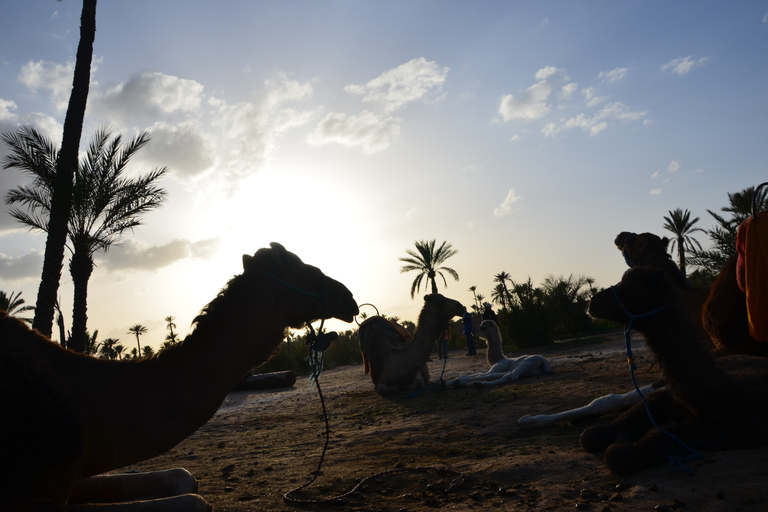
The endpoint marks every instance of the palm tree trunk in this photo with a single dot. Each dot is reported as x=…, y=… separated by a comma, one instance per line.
x=65, y=169
x=681, y=253
x=81, y=269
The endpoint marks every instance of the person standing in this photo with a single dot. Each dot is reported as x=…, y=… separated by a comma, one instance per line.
x=467, y=323
x=490, y=314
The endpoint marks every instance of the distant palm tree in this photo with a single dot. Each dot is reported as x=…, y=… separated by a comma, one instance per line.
x=138, y=330
x=91, y=345
x=427, y=260
x=476, y=305
x=501, y=278
x=105, y=203
x=119, y=349
x=171, y=337
x=499, y=295
x=107, y=348
x=14, y=304
x=148, y=351
x=680, y=224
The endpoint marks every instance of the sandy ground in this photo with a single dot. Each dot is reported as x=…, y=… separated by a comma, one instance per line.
x=449, y=449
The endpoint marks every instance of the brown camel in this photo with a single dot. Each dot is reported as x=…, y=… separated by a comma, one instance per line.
x=396, y=365
x=68, y=417
x=711, y=401
x=720, y=311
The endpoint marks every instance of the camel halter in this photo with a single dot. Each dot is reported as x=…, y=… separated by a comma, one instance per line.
x=676, y=463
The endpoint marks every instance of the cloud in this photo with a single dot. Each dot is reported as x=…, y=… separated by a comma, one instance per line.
x=567, y=91
x=404, y=84
x=673, y=166
x=614, y=75
x=149, y=95
x=532, y=104
x=249, y=132
x=684, y=65
x=182, y=148
x=50, y=76
x=369, y=131
x=133, y=255
x=505, y=208
x=655, y=191
x=21, y=267
x=596, y=123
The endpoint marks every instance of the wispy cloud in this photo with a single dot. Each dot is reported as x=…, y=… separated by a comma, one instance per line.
x=538, y=103
x=134, y=255
x=406, y=83
x=684, y=65
x=505, y=208
x=49, y=76
x=368, y=130
x=22, y=267
x=614, y=75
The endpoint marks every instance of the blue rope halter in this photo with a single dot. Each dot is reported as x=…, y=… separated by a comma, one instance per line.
x=676, y=463
x=318, y=343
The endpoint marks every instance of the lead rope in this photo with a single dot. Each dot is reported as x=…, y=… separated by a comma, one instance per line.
x=318, y=345
x=676, y=463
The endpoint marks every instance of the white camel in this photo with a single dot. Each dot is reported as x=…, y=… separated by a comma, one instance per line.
x=503, y=369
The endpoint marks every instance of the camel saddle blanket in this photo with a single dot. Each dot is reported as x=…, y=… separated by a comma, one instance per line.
x=752, y=271
x=392, y=331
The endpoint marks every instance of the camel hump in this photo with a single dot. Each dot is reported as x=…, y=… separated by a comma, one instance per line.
x=389, y=330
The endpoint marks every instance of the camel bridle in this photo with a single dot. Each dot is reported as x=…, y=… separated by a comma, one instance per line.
x=676, y=463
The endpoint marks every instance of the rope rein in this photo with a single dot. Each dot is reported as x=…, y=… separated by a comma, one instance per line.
x=319, y=343
x=676, y=463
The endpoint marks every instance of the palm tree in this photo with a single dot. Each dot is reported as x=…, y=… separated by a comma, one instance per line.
x=107, y=348
x=499, y=295
x=427, y=260
x=680, y=224
x=476, y=305
x=65, y=167
x=501, y=278
x=147, y=351
x=105, y=204
x=14, y=304
x=723, y=236
x=91, y=345
x=171, y=337
x=138, y=330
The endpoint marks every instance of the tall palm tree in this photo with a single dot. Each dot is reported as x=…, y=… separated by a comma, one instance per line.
x=499, y=295
x=679, y=223
x=171, y=337
x=427, y=261
x=65, y=167
x=476, y=305
x=138, y=330
x=105, y=203
x=14, y=304
x=501, y=278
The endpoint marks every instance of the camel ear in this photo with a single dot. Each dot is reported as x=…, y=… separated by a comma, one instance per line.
x=247, y=261
x=621, y=239
x=428, y=298
x=279, y=253
x=664, y=242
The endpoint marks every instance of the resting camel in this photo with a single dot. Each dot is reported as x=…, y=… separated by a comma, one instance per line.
x=712, y=402
x=720, y=310
x=396, y=364
x=68, y=417
x=503, y=369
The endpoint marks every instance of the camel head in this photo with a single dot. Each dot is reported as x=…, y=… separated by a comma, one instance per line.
x=443, y=307
x=641, y=249
x=642, y=290
x=486, y=329
x=316, y=295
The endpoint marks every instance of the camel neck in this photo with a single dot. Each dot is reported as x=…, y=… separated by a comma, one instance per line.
x=182, y=388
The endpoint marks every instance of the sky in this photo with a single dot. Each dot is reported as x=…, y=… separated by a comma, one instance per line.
x=526, y=134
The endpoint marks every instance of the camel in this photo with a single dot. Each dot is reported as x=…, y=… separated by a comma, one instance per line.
x=502, y=369
x=712, y=402
x=396, y=364
x=720, y=310
x=63, y=426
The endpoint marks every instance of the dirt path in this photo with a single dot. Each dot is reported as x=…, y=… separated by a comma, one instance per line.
x=262, y=444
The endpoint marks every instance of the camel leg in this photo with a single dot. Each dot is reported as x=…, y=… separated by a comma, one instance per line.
x=633, y=423
x=597, y=407
x=133, y=486
x=185, y=503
